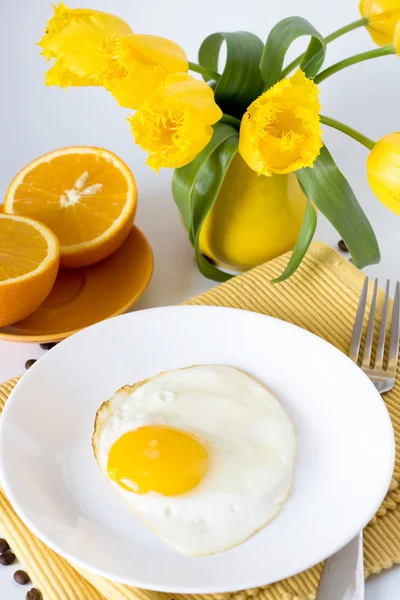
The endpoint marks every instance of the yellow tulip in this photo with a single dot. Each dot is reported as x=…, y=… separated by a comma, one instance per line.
x=280, y=132
x=73, y=37
x=254, y=218
x=383, y=16
x=383, y=169
x=136, y=65
x=396, y=39
x=174, y=124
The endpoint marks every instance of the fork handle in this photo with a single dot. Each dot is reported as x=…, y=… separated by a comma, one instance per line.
x=343, y=574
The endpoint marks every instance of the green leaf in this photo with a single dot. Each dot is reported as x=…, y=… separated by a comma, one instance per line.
x=181, y=194
x=278, y=43
x=195, y=188
x=303, y=241
x=185, y=178
x=241, y=80
x=325, y=185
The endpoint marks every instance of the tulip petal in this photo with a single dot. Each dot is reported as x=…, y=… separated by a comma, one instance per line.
x=383, y=169
x=152, y=50
x=281, y=133
x=174, y=124
x=63, y=75
x=396, y=38
x=134, y=66
x=383, y=16
x=195, y=93
x=73, y=37
x=133, y=89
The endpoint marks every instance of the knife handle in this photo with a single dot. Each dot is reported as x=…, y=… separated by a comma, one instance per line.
x=343, y=574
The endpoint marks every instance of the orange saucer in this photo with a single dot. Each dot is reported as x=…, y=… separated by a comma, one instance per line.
x=82, y=297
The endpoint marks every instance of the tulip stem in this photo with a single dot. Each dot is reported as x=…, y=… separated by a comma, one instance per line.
x=333, y=36
x=353, y=133
x=353, y=60
x=231, y=121
x=208, y=73
x=350, y=27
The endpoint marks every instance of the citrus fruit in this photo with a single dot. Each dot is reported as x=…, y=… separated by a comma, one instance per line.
x=29, y=259
x=254, y=218
x=86, y=195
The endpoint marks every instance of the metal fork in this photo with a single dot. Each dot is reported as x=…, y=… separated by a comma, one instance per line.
x=382, y=378
x=343, y=574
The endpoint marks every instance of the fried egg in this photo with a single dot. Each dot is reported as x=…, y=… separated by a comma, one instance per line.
x=203, y=455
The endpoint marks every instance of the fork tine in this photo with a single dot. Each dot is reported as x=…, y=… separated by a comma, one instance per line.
x=380, y=350
x=394, y=332
x=366, y=361
x=358, y=324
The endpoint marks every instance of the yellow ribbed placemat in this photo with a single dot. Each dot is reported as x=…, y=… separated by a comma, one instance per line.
x=321, y=297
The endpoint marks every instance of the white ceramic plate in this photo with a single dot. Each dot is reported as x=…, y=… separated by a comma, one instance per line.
x=343, y=466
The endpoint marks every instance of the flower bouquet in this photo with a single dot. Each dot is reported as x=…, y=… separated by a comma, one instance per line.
x=243, y=138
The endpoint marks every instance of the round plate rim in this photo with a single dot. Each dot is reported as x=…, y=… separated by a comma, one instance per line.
x=59, y=336
x=176, y=589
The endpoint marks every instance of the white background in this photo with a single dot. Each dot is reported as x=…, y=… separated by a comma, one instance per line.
x=35, y=119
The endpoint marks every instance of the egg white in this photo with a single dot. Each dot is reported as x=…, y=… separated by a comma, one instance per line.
x=250, y=441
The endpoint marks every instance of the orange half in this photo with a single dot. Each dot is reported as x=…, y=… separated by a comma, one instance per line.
x=29, y=259
x=82, y=297
x=86, y=196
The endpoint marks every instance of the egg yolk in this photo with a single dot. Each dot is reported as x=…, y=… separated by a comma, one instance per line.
x=158, y=459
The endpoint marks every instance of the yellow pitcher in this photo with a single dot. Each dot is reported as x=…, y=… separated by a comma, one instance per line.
x=254, y=218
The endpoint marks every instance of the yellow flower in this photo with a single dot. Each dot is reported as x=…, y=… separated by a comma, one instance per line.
x=383, y=16
x=136, y=65
x=73, y=37
x=383, y=169
x=174, y=124
x=280, y=132
x=396, y=39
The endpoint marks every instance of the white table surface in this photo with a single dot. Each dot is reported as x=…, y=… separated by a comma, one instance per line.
x=35, y=120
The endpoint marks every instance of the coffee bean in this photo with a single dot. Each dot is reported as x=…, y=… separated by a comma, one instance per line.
x=7, y=558
x=29, y=363
x=21, y=577
x=33, y=594
x=342, y=246
x=48, y=346
x=3, y=545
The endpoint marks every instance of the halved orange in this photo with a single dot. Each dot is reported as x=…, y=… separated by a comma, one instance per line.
x=29, y=259
x=86, y=195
